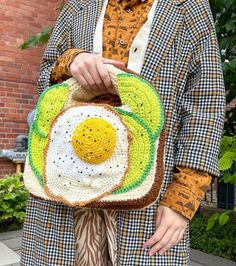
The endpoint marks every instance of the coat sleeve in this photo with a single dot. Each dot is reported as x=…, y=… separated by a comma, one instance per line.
x=203, y=101
x=57, y=45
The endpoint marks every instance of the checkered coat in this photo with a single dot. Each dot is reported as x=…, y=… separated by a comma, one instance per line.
x=182, y=60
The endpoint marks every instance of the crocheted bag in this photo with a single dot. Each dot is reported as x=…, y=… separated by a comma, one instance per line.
x=82, y=152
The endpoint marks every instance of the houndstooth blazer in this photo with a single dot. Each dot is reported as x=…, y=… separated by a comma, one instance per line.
x=182, y=60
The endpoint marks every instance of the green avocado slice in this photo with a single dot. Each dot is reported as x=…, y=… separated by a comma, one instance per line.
x=143, y=100
x=141, y=151
x=49, y=106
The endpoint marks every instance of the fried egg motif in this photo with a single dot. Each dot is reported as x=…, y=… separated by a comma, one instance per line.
x=87, y=155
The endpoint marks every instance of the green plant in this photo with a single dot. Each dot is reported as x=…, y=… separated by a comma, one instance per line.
x=224, y=13
x=220, y=241
x=228, y=159
x=228, y=170
x=37, y=39
x=13, y=197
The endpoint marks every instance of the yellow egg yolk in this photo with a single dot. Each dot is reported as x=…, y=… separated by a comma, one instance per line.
x=94, y=140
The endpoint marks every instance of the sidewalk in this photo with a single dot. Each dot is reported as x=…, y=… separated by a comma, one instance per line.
x=10, y=245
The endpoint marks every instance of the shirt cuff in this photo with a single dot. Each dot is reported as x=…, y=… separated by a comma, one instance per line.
x=61, y=70
x=184, y=195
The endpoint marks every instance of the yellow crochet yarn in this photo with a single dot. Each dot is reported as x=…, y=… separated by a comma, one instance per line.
x=94, y=140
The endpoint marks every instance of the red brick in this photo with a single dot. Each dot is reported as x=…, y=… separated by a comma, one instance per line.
x=19, y=69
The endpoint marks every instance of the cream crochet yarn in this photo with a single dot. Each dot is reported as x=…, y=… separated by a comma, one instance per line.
x=96, y=155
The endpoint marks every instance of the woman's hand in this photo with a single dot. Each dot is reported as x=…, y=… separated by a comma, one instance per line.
x=170, y=228
x=89, y=70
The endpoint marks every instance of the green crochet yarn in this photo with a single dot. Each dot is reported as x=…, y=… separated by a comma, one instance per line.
x=143, y=100
x=49, y=105
x=142, y=151
x=36, y=153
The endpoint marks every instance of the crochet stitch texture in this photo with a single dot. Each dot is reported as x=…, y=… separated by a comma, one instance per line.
x=83, y=152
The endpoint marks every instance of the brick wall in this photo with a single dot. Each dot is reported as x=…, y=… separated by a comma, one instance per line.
x=19, y=69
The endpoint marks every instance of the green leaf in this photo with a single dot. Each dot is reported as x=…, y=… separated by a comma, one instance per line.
x=5, y=205
x=223, y=218
x=230, y=25
x=214, y=217
x=230, y=178
x=233, y=179
x=233, y=63
x=13, y=200
x=225, y=163
x=210, y=225
x=230, y=154
x=5, y=216
x=9, y=196
x=37, y=39
x=228, y=3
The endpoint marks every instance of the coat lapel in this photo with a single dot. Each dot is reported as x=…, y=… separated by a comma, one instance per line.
x=167, y=19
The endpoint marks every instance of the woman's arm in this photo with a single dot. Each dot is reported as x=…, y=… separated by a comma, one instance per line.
x=61, y=70
x=203, y=112
x=57, y=45
x=203, y=101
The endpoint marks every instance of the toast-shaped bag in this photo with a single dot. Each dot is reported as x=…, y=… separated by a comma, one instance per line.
x=88, y=152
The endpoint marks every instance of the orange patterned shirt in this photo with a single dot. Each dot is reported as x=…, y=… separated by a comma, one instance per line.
x=122, y=21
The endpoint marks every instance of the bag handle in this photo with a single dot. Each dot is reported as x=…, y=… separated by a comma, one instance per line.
x=79, y=93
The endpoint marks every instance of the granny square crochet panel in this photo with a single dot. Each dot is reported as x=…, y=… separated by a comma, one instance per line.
x=96, y=155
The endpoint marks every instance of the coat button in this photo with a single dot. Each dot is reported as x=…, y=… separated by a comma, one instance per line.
x=127, y=9
x=96, y=50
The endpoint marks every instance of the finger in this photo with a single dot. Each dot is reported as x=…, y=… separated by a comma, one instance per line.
x=157, y=236
x=173, y=241
x=97, y=78
x=158, y=217
x=113, y=62
x=163, y=241
x=179, y=237
x=89, y=79
x=82, y=81
x=181, y=234
x=104, y=75
x=154, y=237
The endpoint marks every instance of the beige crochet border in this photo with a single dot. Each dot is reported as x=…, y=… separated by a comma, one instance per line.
x=79, y=203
